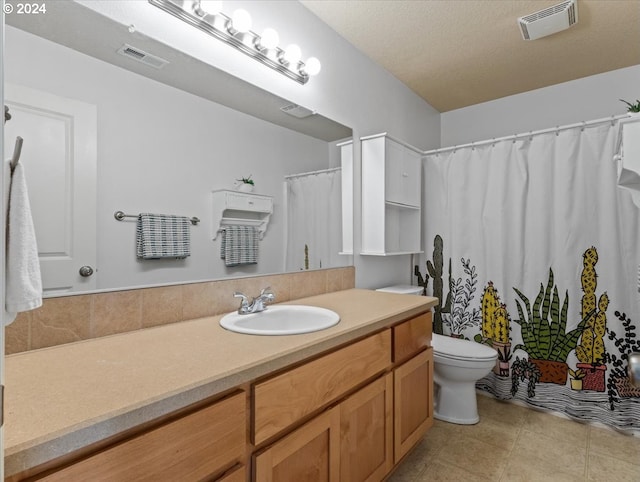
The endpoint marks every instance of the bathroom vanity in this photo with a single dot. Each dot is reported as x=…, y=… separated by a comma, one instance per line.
x=192, y=401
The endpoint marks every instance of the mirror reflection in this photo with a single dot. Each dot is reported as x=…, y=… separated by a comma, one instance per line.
x=105, y=133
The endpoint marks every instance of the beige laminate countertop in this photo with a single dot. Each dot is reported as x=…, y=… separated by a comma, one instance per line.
x=63, y=398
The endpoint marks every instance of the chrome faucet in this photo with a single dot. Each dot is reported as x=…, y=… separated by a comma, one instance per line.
x=257, y=304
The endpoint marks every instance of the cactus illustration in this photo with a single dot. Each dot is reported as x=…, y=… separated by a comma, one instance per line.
x=591, y=347
x=435, y=271
x=496, y=326
x=496, y=322
x=501, y=325
x=490, y=302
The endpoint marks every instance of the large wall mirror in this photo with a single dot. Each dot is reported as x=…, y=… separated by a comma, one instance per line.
x=104, y=132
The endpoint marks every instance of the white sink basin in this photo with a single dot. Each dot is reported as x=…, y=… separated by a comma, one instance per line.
x=281, y=320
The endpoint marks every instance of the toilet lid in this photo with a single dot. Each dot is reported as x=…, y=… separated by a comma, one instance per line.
x=461, y=349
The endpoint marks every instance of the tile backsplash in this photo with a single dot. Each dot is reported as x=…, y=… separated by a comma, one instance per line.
x=80, y=317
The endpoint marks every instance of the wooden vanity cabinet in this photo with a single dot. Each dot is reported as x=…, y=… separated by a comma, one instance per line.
x=363, y=431
x=412, y=382
x=194, y=447
x=348, y=415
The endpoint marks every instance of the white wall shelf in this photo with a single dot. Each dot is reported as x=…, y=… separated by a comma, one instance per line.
x=391, y=197
x=240, y=209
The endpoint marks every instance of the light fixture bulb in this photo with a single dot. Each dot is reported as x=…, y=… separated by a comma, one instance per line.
x=241, y=21
x=312, y=66
x=269, y=38
x=210, y=7
x=292, y=54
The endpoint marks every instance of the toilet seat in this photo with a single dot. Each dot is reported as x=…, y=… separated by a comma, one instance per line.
x=461, y=350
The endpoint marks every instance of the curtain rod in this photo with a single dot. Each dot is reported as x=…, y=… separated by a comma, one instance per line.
x=321, y=171
x=514, y=137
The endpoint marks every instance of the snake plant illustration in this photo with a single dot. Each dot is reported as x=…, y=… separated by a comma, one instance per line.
x=434, y=270
x=591, y=351
x=496, y=327
x=544, y=335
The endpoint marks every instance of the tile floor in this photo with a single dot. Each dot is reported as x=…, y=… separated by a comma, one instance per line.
x=514, y=443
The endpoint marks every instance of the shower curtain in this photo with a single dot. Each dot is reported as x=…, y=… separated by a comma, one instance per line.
x=533, y=250
x=314, y=217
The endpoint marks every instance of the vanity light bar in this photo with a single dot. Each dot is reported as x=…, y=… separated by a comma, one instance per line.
x=220, y=26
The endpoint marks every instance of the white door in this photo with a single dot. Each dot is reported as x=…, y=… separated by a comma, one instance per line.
x=59, y=158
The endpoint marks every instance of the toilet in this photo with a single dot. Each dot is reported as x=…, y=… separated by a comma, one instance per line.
x=457, y=365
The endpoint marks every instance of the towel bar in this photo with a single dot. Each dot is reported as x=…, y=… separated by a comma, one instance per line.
x=119, y=215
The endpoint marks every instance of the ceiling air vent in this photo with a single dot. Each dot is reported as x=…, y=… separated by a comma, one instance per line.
x=549, y=21
x=297, y=111
x=142, y=56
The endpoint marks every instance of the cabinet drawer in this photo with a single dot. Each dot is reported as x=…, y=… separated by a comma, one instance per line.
x=411, y=336
x=193, y=447
x=248, y=202
x=287, y=398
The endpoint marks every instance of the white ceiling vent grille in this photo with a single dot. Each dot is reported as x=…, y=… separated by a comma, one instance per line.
x=297, y=111
x=549, y=21
x=142, y=56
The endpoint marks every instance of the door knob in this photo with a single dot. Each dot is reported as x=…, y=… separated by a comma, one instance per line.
x=86, y=271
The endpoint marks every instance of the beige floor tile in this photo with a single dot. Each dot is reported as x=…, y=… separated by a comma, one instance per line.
x=607, y=468
x=501, y=411
x=557, y=427
x=496, y=432
x=532, y=469
x=604, y=442
x=555, y=452
x=477, y=452
x=441, y=472
x=478, y=457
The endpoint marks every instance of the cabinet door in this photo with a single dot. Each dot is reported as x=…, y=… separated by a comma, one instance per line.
x=366, y=442
x=309, y=454
x=413, y=402
x=412, y=178
x=402, y=165
x=394, y=167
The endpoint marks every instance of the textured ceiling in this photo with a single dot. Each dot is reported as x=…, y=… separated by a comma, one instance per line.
x=456, y=53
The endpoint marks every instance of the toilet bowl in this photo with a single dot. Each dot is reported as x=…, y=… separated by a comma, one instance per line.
x=457, y=366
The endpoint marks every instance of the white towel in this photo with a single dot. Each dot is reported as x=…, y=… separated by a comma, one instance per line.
x=23, y=287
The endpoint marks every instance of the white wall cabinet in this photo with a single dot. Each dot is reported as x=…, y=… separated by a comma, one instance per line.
x=391, y=197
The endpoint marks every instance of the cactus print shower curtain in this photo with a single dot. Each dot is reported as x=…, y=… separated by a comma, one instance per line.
x=533, y=250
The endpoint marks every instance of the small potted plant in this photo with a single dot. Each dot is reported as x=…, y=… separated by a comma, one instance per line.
x=245, y=184
x=577, y=376
x=632, y=107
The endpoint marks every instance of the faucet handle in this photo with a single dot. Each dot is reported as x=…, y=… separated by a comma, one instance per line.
x=244, y=302
x=267, y=294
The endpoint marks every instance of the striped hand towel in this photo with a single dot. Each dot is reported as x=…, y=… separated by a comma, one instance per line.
x=162, y=236
x=240, y=245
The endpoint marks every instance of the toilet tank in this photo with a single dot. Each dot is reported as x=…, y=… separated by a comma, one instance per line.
x=403, y=289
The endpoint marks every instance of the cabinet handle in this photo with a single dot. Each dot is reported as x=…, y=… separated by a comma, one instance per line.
x=404, y=174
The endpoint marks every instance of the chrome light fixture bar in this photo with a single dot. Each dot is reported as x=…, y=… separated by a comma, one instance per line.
x=250, y=43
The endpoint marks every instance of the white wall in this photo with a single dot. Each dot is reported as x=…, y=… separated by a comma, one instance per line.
x=350, y=89
x=579, y=100
x=163, y=150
